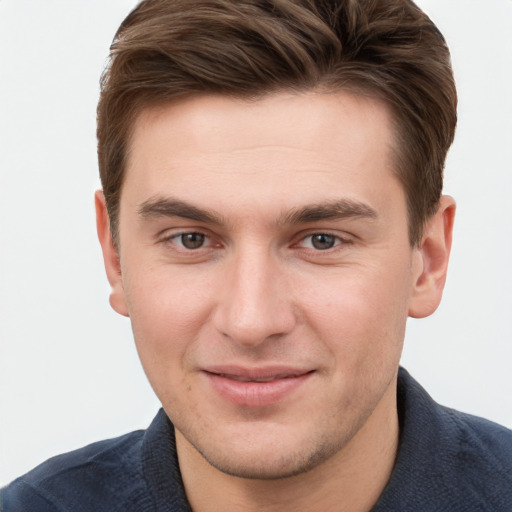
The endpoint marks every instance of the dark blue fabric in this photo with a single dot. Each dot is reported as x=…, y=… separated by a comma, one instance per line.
x=137, y=472
x=447, y=461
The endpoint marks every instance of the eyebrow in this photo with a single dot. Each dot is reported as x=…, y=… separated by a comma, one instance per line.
x=169, y=207
x=338, y=209
x=332, y=210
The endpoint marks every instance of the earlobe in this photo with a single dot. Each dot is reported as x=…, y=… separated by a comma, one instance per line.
x=110, y=256
x=434, y=253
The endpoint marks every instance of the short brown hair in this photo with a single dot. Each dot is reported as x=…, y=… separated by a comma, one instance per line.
x=388, y=49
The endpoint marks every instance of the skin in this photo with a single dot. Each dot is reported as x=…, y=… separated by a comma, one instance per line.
x=267, y=237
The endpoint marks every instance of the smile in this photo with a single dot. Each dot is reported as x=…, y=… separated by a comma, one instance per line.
x=256, y=388
x=241, y=378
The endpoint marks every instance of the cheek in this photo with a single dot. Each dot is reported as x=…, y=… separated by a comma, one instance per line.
x=361, y=319
x=167, y=316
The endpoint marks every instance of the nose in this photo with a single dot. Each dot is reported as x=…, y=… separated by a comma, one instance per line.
x=255, y=304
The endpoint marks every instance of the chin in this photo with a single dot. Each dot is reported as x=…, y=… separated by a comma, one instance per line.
x=269, y=463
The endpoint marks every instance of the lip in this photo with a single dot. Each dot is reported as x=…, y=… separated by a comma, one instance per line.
x=256, y=387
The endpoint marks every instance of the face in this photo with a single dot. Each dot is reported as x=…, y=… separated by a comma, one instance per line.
x=266, y=269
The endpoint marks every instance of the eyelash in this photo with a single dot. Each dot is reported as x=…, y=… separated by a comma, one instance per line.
x=178, y=236
x=338, y=241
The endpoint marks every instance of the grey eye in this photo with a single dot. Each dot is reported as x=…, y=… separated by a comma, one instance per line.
x=192, y=240
x=322, y=241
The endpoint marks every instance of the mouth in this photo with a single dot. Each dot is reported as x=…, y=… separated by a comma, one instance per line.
x=256, y=387
x=243, y=378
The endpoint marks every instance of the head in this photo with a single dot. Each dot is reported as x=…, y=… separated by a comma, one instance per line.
x=165, y=51
x=271, y=215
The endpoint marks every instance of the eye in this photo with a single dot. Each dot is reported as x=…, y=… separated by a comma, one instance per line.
x=321, y=241
x=190, y=241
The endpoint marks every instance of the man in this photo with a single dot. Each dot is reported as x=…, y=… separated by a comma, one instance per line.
x=271, y=214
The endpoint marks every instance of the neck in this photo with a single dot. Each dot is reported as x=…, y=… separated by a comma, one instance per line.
x=351, y=480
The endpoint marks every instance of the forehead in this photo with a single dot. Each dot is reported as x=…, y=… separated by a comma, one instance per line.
x=282, y=148
x=215, y=122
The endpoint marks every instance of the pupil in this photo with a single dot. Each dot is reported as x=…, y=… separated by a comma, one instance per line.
x=322, y=242
x=192, y=240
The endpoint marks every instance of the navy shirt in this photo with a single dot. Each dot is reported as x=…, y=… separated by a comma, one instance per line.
x=447, y=461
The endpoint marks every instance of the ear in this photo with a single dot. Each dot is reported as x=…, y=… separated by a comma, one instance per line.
x=110, y=255
x=433, y=254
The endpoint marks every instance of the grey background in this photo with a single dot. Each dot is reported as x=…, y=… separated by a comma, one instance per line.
x=69, y=373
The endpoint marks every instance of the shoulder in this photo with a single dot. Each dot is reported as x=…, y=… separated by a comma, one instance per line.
x=483, y=448
x=468, y=437
x=138, y=472
x=447, y=460
x=474, y=462
x=106, y=472
x=489, y=437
